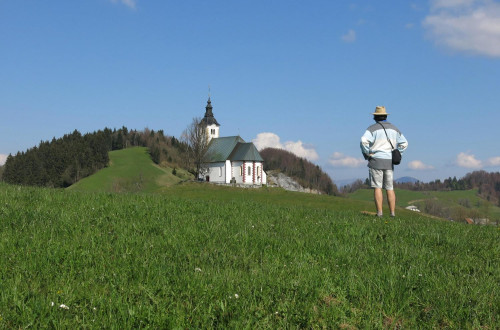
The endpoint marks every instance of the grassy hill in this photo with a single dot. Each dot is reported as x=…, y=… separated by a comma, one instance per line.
x=131, y=170
x=202, y=256
x=456, y=204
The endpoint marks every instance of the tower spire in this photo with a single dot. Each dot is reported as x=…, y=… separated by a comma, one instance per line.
x=209, y=120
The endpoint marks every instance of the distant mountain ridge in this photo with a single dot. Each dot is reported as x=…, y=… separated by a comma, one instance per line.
x=345, y=182
x=407, y=179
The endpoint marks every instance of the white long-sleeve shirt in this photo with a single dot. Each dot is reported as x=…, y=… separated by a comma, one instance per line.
x=377, y=149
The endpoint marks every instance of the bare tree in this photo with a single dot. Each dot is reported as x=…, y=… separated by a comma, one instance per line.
x=196, y=137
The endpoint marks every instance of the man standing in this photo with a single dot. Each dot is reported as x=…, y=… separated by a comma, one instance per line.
x=377, y=149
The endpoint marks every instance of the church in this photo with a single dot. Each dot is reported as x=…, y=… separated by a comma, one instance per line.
x=230, y=159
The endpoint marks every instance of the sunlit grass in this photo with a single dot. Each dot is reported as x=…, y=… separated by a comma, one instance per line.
x=201, y=256
x=131, y=170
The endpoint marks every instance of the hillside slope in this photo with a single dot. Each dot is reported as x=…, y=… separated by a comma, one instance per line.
x=130, y=170
x=456, y=205
x=307, y=174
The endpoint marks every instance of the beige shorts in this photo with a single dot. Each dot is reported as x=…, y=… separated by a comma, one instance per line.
x=381, y=179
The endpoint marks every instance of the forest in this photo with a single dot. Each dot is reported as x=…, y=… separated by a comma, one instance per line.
x=307, y=174
x=64, y=161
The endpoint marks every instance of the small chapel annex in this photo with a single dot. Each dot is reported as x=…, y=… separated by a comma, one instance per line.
x=230, y=159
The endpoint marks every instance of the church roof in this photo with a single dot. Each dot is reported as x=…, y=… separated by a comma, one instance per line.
x=232, y=148
x=221, y=148
x=209, y=118
x=246, y=151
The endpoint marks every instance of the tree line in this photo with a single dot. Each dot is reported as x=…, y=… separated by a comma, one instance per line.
x=64, y=161
x=486, y=183
x=303, y=171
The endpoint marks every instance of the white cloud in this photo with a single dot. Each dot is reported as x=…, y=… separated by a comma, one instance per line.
x=418, y=165
x=350, y=36
x=271, y=140
x=471, y=26
x=129, y=3
x=468, y=161
x=494, y=161
x=267, y=140
x=436, y=4
x=3, y=158
x=340, y=160
x=301, y=150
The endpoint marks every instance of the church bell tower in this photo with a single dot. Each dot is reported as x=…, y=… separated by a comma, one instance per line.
x=210, y=122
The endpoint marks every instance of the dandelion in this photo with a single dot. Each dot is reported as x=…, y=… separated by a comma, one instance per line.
x=63, y=306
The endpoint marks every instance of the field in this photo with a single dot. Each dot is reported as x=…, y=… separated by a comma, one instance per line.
x=458, y=204
x=131, y=170
x=200, y=256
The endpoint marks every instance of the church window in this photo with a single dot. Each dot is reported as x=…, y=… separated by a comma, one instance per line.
x=213, y=131
x=220, y=171
x=249, y=170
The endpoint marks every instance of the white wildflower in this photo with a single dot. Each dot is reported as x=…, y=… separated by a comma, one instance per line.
x=52, y=303
x=63, y=306
x=197, y=269
x=236, y=296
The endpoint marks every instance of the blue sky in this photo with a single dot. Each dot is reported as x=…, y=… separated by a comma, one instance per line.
x=300, y=75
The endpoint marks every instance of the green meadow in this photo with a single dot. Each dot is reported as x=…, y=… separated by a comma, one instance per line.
x=459, y=203
x=202, y=256
x=131, y=170
x=135, y=246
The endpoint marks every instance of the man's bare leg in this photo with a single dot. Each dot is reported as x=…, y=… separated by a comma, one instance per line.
x=391, y=200
x=379, y=199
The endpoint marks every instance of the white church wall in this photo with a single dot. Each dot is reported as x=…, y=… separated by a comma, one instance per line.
x=236, y=171
x=243, y=172
x=216, y=172
x=259, y=173
x=228, y=171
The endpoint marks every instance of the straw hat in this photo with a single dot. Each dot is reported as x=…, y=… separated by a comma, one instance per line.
x=380, y=110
